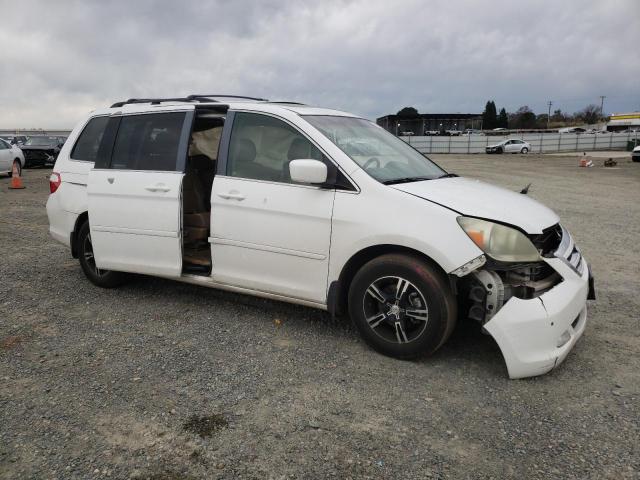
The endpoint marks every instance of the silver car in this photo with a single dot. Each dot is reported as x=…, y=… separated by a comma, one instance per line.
x=509, y=146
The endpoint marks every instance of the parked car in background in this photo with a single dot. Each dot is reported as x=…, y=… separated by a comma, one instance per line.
x=406, y=133
x=14, y=139
x=285, y=201
x=509, y=146
x=41, y=150
x=499, y=129
x=472, y=131
x=635, y=154
x=10, y=155
x=572, y=130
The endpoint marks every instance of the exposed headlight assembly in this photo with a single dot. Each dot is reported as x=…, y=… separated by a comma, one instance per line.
x=499, y=242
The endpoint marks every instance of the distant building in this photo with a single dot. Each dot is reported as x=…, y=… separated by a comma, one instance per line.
x=430, y=122
x=623, y=121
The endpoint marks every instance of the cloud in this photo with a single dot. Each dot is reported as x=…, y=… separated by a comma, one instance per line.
x=62, y=59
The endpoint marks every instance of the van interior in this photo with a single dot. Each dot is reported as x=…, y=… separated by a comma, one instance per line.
x=196, y=191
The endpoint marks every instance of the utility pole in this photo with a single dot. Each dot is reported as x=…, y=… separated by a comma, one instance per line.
x=549, y=114
x=602, y=97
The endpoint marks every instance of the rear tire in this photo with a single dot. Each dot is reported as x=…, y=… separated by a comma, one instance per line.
x=101, y=278
x=402, y=306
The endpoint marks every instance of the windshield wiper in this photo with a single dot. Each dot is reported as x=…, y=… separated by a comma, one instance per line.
x=448, y=175
x=405, y=180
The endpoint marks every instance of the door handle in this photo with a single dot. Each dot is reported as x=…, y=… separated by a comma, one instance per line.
x=110, y=179
x=232, y=196
x=160, y=187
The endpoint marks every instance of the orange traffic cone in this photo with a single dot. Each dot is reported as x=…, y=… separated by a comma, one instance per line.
x=16, y=181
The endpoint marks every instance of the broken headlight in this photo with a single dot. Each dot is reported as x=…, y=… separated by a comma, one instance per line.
x=499, y=242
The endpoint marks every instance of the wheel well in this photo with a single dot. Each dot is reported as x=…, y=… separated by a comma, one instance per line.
x=83, y=217
x=359, y=259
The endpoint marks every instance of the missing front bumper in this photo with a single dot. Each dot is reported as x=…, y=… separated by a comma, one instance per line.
x=530, y=332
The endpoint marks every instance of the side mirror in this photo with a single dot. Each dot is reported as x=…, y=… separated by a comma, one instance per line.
x=308, y=171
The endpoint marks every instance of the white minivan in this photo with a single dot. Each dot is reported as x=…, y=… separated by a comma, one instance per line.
x=321, y=208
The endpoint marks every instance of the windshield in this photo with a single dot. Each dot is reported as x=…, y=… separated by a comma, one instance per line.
x=42, y=141
x=382, y=155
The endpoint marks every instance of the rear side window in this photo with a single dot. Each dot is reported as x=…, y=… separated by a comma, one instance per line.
x=86, y=147
x=148, y=142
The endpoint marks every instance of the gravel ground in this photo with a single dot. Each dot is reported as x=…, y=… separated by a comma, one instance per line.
x=165, y=380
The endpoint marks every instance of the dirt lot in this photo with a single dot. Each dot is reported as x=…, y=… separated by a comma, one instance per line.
x=169, y=381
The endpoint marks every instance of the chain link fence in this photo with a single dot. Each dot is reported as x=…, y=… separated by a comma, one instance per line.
x=540, y=142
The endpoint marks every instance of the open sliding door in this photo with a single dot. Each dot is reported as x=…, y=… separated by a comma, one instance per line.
x=135, y=193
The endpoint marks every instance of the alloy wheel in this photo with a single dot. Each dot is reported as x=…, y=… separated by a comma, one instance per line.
x=90, y=258
x=395, y=309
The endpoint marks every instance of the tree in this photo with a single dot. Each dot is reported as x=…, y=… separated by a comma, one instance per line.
x=524, y=118
x=489, y=116
x=408, y=112
x=503, y=119
x=589, y=114
x=541, y=120
x=558, y=116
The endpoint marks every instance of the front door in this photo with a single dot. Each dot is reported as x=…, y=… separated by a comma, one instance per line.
x=511, y=146
x=268, y=233
x=134, y=197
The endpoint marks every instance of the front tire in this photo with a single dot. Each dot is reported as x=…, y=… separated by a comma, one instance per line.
x=524, y=150
x=402, y=306
x=500, y=150
x=99, y=277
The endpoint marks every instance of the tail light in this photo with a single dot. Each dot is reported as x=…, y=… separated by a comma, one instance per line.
x=54, y=182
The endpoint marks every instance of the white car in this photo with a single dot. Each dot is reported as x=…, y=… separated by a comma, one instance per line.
x=282, y=201
x=509, y=146
x=10, y=155
x=635, y=154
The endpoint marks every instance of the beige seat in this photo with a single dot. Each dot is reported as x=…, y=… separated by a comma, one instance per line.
x=197, y=216
x=197, y=183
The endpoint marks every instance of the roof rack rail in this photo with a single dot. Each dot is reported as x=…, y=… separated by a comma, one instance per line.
x=189, y=98
x=243, y=97
x=285, y=102
x=153, y=101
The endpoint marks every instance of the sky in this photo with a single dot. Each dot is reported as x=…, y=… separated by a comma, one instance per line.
x=62, y=59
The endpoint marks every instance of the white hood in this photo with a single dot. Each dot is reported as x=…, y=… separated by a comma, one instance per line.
x=479, y=199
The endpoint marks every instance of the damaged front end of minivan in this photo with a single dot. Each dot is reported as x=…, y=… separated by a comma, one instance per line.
x=528, y=292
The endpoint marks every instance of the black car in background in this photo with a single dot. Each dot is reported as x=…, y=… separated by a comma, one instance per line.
x=41, y=150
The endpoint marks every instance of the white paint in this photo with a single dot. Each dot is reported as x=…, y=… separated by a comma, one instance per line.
x=527, y=331
x=290, y=241
x=135, y=220
x=275, y=239
x=479, y=199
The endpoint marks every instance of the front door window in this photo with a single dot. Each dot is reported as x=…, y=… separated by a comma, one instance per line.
x=261, y=148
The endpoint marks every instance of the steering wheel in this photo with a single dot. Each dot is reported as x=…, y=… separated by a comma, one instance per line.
x=370, y=162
